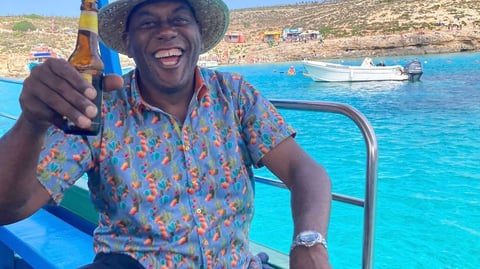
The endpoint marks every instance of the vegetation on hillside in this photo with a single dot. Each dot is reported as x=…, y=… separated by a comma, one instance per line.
x=18, y=34
x=24, y=26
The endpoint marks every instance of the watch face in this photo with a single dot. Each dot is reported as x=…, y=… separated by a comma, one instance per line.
x=308, y=237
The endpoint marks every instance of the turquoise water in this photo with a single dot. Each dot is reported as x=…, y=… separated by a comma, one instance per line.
x=428, y=204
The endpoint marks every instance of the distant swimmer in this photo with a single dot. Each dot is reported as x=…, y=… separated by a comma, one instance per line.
x=291, y=71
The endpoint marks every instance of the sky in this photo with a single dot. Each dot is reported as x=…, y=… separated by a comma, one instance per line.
x=71, y=8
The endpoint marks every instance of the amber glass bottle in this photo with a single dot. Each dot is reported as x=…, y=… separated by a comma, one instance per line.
x=86, y=59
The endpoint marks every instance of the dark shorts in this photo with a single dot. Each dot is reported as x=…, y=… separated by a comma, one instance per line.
x=113, y=261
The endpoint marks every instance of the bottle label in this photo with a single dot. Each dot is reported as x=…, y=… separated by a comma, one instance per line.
x=88, y=21
x=88, y=77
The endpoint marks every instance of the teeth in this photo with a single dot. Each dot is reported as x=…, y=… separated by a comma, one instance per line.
x=168, y=53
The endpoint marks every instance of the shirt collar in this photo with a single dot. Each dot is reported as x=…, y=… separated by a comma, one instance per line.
x=139, y=105
x=200, y=85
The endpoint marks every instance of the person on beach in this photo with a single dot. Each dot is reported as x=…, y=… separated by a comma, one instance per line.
x=171, y=171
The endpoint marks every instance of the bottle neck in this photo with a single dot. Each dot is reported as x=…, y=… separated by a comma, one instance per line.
x=87, y=39
x=88, y=21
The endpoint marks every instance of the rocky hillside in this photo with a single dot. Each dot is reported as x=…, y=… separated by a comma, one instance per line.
x=349, y=29
x=359, y=18
x=353, y=28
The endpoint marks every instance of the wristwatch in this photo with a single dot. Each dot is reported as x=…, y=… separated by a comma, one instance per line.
x=309, y=239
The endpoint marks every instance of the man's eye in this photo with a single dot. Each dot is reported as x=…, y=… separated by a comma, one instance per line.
x=180, y=21
x=146, y=24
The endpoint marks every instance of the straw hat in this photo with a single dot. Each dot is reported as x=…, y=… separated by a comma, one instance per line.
x=212, y=16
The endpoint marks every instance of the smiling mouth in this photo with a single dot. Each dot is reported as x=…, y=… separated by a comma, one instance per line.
x=169, y=57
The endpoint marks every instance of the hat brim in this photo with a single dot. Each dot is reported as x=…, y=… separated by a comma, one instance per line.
x=212, y=17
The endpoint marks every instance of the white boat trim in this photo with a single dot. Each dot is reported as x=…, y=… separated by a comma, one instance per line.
x=207, y=63
x=331, y=72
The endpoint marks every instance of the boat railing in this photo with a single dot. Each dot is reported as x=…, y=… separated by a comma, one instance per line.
x=8, y=116
x=368, y=202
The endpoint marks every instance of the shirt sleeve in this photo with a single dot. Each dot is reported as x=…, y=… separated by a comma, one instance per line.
x=262, y=124
x=63, y=160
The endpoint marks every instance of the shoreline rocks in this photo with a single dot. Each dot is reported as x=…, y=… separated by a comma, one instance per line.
x=419, y=43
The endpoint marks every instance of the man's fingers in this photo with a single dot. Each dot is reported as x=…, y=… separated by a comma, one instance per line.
x=112, y=82
x=55, y=90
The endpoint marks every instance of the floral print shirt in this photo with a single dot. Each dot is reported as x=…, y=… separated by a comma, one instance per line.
x=172, y=194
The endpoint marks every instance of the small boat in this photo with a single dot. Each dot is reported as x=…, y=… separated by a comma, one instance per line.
x=40, y=54
x=331, y=72
x=208, y=60
x=207, y=63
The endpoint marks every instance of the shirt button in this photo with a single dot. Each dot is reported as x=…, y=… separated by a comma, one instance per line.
x=187, y=148
x=199, y=211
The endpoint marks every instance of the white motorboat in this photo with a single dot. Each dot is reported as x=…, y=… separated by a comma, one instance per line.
x=208, y=60
x=207, y=63
x=331, y=72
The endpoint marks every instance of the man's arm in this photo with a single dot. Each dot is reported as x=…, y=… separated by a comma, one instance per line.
x=21, y=194
x=310, y=189
x=53, y=90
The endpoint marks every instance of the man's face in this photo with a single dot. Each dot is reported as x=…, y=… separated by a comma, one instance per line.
x=163, y=38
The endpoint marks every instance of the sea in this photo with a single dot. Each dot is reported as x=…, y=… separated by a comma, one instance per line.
x=428, y=132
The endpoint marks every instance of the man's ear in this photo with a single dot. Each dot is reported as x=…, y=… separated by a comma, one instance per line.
x=126, y=41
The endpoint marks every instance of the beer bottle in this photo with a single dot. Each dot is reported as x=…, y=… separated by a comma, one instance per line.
x=86, y=59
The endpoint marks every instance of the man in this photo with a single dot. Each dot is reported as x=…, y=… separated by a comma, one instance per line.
x=170, y=173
